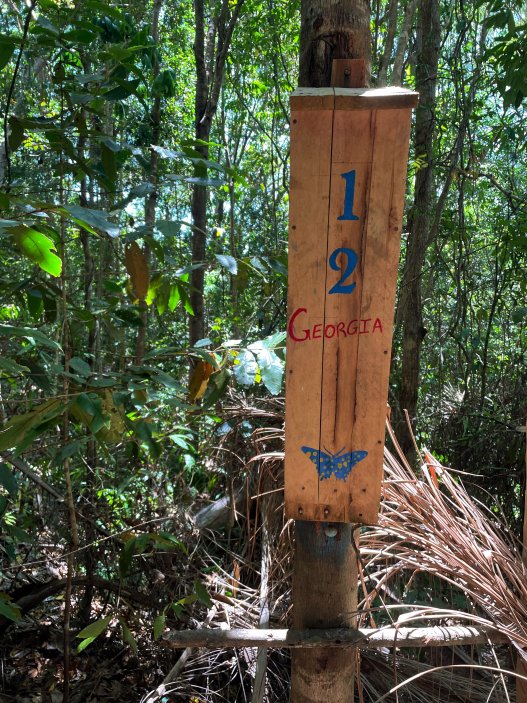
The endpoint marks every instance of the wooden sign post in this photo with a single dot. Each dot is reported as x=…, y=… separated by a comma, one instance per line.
x=349, y=151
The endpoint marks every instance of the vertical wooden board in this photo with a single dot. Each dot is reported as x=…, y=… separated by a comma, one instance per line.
x=351, y=164
x=311, y=134
x=381, y=255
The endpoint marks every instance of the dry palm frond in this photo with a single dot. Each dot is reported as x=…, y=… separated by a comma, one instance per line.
x=429, y=529
x=432, y=525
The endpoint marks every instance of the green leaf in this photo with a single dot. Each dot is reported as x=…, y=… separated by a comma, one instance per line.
x=127, y=635
x=16, y=133
x=519, y=315
x=80, y=367
x=92, y=631
x=246, y=369
x=11, y=612
x=202, y=593
x=228, y=262
x=7, y=48
x=12, y=368
x=159, y=625
x=36, y=335
x=20, y=430
x=8, y=481
x=92, y=220
x=122, y=91
x=270, y=365
x=126, y=556
x=37, y=247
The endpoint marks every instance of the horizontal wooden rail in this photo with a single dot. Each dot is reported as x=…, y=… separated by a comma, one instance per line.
x=365, y=638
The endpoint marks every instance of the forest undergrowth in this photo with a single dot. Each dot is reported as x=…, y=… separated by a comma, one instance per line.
x=436, y=557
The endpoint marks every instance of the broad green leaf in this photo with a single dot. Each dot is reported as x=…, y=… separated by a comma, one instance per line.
x=80, y=366
x=37, y=247
x=173, y=298
x=7, y=48
x=246, y=368
x=92, y=220
x=12, y=368
x=9, y=611
x=202, y=593
x=126, y=556
x=275, y=340
x=94, y=629
x=228, y=262
x=16, y=133
x=519, y=315
x=20, y=430
x=127, y=635
x=159, y=625
x=8, y=481
x=270, y=365
x=36, y=335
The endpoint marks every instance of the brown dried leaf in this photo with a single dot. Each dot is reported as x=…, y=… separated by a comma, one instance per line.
x=199, y=379
x=137, y=266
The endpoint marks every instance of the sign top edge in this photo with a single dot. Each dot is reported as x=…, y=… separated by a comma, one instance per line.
x=365, y=98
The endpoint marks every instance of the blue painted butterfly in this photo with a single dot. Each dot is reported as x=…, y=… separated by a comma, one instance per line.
x=338, y=464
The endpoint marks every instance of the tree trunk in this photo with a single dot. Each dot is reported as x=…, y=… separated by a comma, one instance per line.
x=331, y=29
x=325, y=567
x=410, y=311
x=210, y=53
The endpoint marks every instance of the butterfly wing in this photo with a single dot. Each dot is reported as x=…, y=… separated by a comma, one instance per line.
x=321, y=460
x=342, y=465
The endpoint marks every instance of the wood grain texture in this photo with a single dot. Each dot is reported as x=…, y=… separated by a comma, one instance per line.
x=348, y=171
x=311, y=134
x=353, y=98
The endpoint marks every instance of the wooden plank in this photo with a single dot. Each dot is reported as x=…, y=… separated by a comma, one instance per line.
x=311, y=134
x=450, y=636
x=353, y=98
x=380, y=263
x=347, y=190
x=342, y=310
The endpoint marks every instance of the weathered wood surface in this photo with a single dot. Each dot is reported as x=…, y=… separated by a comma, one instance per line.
x=349, y=150
x=453, y=635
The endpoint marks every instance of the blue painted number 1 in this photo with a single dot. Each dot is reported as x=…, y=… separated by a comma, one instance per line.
x=349, y=196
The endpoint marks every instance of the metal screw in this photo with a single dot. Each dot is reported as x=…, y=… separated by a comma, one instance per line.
x=326, y=512
x=300, y=511
x=330, y=531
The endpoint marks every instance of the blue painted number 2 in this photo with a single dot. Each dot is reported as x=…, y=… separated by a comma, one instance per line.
x=351, y=261
x=350, y=258
x=349, y=196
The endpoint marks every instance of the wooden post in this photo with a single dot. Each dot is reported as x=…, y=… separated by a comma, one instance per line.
x=348, y=166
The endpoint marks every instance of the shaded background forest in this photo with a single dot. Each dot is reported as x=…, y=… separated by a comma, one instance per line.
x=143, y=248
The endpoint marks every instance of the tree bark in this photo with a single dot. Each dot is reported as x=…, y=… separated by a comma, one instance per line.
x=410, y=311
x=211, y=49
x=332, y=29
